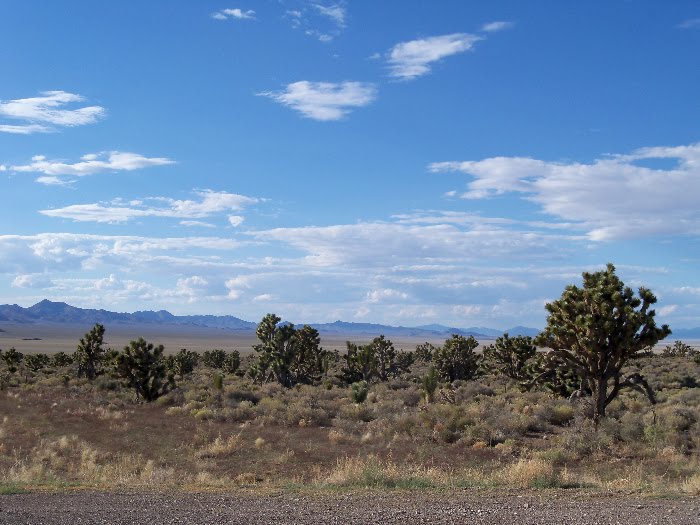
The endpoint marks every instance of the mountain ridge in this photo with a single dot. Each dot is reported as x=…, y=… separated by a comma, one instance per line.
x=62, y=313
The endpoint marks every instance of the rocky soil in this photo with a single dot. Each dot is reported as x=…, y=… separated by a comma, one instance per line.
x=468, y=506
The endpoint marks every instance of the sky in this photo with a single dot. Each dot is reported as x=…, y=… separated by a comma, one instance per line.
x=401, y=162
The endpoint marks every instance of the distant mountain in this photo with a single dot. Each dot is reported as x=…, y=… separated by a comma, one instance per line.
x=58, y=312
x=523, y=330
x=684, y=333
x=342, y=327
x=53, y=312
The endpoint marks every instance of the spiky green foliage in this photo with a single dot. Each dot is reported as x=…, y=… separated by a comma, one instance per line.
x=679, y=349
x=375, y=360
x=214, y=358
x=359, y=391
x=429, y=383
x=36, y=362
x=142, y=365
x=360, y=363
x=232, y=362
x=552, y=374
x=424, y=352
x=597, y=329
x=508, y=356
x=182, y=363
x=456, y=359
x=13, y=359
x=287, y=355
x=89, y=354
x=61, y=359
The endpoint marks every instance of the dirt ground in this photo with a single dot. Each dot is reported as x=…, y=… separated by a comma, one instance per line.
x=471, y=506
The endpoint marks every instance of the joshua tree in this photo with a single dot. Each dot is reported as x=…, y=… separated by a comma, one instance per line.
x=232, y=362
x=182, y=363
x=595, y=330
x=361, y=363
x=287, y=355
x=456, y=358
x=90, y=353
x=12, y=359
x=143, y=367
x=36, y=362
x=214, y=358
x=509, y=355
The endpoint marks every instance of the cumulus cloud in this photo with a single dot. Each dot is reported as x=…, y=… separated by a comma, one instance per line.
x=409, y=60
x=499, y=25
x=58, y=172
x=208, y=203
x=46, y=113
x=325, y=101
x=616, y=197
x=234, y=14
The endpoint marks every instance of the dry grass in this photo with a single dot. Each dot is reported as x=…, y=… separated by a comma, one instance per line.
x=485, y=433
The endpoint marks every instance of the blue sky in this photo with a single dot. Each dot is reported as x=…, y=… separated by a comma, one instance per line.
x=399, y=162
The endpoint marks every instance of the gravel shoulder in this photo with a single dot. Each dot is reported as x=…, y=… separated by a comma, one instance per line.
x=469, y=506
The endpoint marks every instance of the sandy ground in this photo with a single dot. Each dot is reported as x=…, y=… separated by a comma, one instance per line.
x=469, y=506
x=64, y=338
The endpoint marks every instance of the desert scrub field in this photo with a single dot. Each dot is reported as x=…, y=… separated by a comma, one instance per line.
x=597, y=408
x=218, y=429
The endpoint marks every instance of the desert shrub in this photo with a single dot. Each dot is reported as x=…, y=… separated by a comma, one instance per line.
x=13, y=359
x=456, y=359
x=36, y=362
x=182, y=363
x=359, y=391
x=509, y=355
x=61, y=359
x=214, y=358
x=232, y=362
x=142, y=366
x=429, y=383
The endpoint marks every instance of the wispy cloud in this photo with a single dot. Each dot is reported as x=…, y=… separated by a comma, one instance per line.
x=336, y=13
x=408, y=60
x=691, y=23
x=46, y=113
x=234, y=14
x=619, y=196
x=324, y=100
x=317, y=20
x=61, y=172
x=499, y=25
x=209, y=203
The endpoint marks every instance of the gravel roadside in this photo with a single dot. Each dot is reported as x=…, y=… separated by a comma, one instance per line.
x=472, y=507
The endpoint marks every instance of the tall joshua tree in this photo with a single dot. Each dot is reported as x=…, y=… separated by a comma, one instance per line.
x=595, y=330
x=89, y=353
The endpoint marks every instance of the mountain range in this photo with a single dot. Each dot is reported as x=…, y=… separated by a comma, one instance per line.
x=58, y=312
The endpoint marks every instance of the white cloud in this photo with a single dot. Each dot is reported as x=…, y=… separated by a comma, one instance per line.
x=47, y=112
x=385, y=294
x=237, y=14
x=31, y=281
x=691, y=23
x=336, y=13
x=236, y=220
x=209, y=203
x=496, y=26
x=200, y=224
x=667, y=310
x=620, y=196
x=60, y=172
x=408, y=60
x=324, y=101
